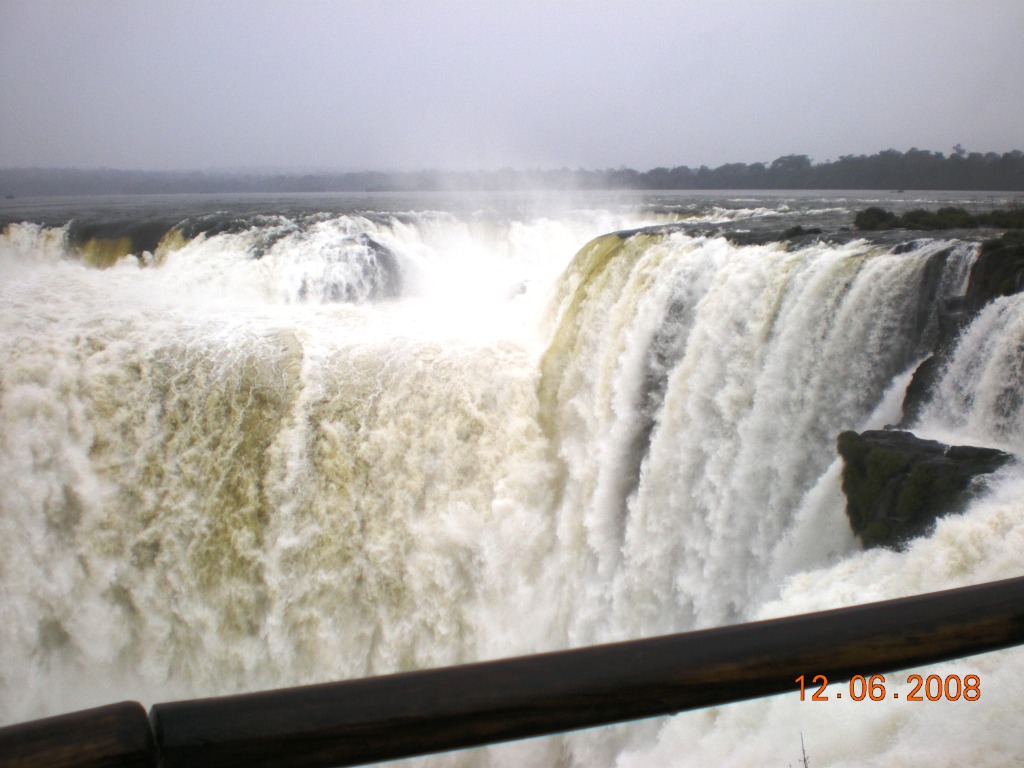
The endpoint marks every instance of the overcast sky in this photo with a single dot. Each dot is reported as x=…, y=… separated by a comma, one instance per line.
x=364, y=85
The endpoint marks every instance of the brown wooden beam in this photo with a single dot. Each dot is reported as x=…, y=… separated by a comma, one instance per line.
x=114, y=736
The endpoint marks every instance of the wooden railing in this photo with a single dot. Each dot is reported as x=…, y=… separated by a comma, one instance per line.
x=416, y=713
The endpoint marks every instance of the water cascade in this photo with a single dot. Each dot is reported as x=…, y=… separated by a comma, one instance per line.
x=304, y=449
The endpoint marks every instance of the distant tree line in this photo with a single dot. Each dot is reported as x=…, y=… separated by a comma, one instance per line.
x=888, y=170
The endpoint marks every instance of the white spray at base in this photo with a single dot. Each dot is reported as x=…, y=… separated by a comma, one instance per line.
x=198, y=499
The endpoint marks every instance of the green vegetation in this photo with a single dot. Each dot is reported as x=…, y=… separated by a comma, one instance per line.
x=875, y=218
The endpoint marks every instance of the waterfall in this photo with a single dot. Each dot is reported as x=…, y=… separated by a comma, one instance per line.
x=301, y=449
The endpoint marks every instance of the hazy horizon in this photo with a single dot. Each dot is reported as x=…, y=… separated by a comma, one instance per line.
x=301, y=171
x=338, y=87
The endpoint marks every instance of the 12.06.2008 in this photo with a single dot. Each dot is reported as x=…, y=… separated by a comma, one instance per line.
x=930, y=688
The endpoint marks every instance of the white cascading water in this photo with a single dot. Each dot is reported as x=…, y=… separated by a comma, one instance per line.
x=213, y=480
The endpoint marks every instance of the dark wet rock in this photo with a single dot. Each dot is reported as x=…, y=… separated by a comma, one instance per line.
x=918, y=391
x=389, y=269
x=951, y=318
x=800, y=231
x=897, y=484
x=142, y=235
x=906, y=247
x=361, y=269
x=998, y=271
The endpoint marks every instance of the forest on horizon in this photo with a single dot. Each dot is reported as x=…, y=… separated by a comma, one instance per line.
x=887, y=170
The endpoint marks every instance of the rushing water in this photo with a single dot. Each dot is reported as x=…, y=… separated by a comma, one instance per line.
x=248, y=443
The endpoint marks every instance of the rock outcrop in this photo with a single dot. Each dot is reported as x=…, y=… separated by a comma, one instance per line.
x=998, y=271
x=897, y=484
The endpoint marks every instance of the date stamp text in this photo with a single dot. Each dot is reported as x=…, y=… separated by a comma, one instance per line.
x=873, y=688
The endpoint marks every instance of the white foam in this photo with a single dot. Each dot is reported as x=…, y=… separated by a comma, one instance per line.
x=208, y=485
